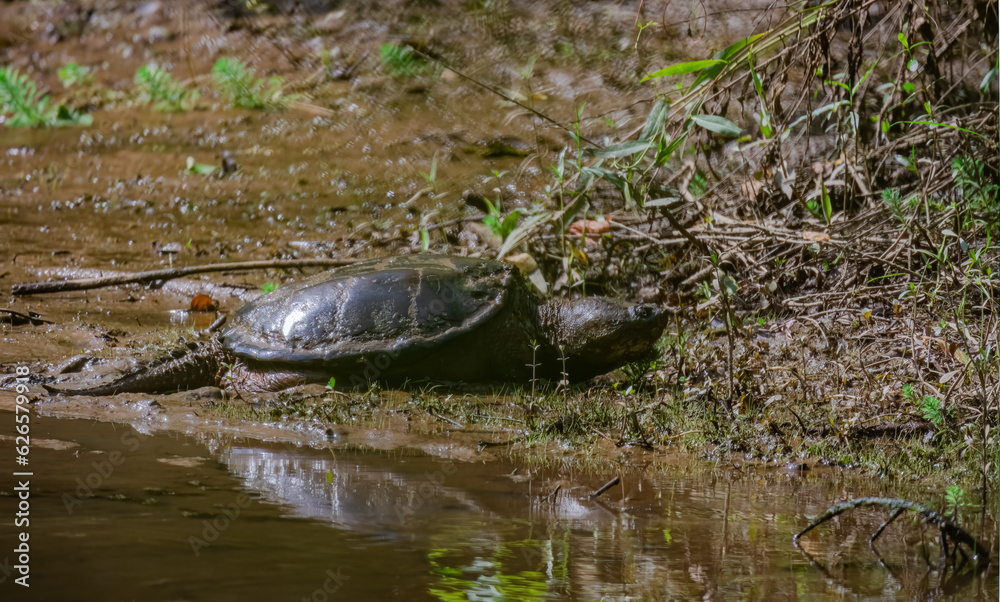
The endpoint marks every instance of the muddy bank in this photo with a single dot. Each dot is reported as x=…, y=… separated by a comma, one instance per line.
x=198, y=413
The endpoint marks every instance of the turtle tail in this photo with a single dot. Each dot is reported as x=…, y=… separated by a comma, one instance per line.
x=185, y=369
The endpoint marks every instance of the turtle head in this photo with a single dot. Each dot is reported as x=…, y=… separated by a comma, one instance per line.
x=599, y=335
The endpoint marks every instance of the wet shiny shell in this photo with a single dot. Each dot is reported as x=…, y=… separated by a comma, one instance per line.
x=384, y=305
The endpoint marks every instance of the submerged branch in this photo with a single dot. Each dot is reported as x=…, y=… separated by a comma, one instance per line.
x=947, y=528
x=606, y=486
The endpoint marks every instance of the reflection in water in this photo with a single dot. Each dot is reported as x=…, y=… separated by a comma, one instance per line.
x=349, y=524
x=346, y=493
x=484, y=536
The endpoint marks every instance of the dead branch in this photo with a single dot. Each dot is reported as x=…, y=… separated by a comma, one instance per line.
x=606, y=486
x=897, y=505
x=82, y=284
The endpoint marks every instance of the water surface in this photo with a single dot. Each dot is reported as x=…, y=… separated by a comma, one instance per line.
x=121, y=515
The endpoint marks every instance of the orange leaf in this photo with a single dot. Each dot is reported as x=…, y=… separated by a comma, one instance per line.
x=203, y=303
x=589, y=226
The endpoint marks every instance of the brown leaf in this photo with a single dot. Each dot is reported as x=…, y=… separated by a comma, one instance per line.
x=589, y=226
x=524, y=262
x=203, y=303
x=751, y=189
x=815, y=236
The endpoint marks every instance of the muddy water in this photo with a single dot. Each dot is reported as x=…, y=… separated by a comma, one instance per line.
x=118, y=514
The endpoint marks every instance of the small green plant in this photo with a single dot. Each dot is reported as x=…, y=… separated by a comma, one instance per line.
x=498, y=224
x=431, y=178
x=642, y=27
x=636, y=373
x=978, y=184
x=956, y=503
x=698, y=185
x=229, y=371
x=821, y=208
x=239, y=84
x=563, y=374
x=931, y=407
x=425, y=235
x=268, y=287
x=332, y=384
x=425, y=239
x=705, y=290
x=154, y=84
x=401, y=62
x=495, y=221
x=894, y=203
x=200, y=169
x=534, y=366
x=72, y=74
x=19, y=98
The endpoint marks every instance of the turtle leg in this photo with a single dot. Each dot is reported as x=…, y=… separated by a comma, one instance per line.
x=247, y=378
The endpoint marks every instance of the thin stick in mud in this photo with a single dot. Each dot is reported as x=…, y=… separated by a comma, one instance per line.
x=82, y=284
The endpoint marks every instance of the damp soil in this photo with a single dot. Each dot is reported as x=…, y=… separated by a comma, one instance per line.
x=397, y=506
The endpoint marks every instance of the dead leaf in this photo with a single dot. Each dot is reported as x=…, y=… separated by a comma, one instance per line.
x=203, y=303
x=962, y=357
x=589, y=226
x=942, y=345
x=947, y=377
x=815, y=236
x=786, y=328
x=751, y=189
x=524, y=262
x=824, y=168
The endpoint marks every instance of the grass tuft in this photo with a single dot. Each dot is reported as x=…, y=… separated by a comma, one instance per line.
x=21, y=104
x=401, y=62
x=238, y=83
x=155, y=85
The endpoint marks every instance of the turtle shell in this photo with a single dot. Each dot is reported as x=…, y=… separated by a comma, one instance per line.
x=402, y=305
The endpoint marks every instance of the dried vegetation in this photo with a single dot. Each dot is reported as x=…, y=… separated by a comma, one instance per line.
x=846, y=249
x=836, y=266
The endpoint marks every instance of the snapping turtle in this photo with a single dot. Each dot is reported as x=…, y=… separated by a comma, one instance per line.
x=388, y=320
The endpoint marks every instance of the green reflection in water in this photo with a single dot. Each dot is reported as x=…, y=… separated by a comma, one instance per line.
x=481, y=569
